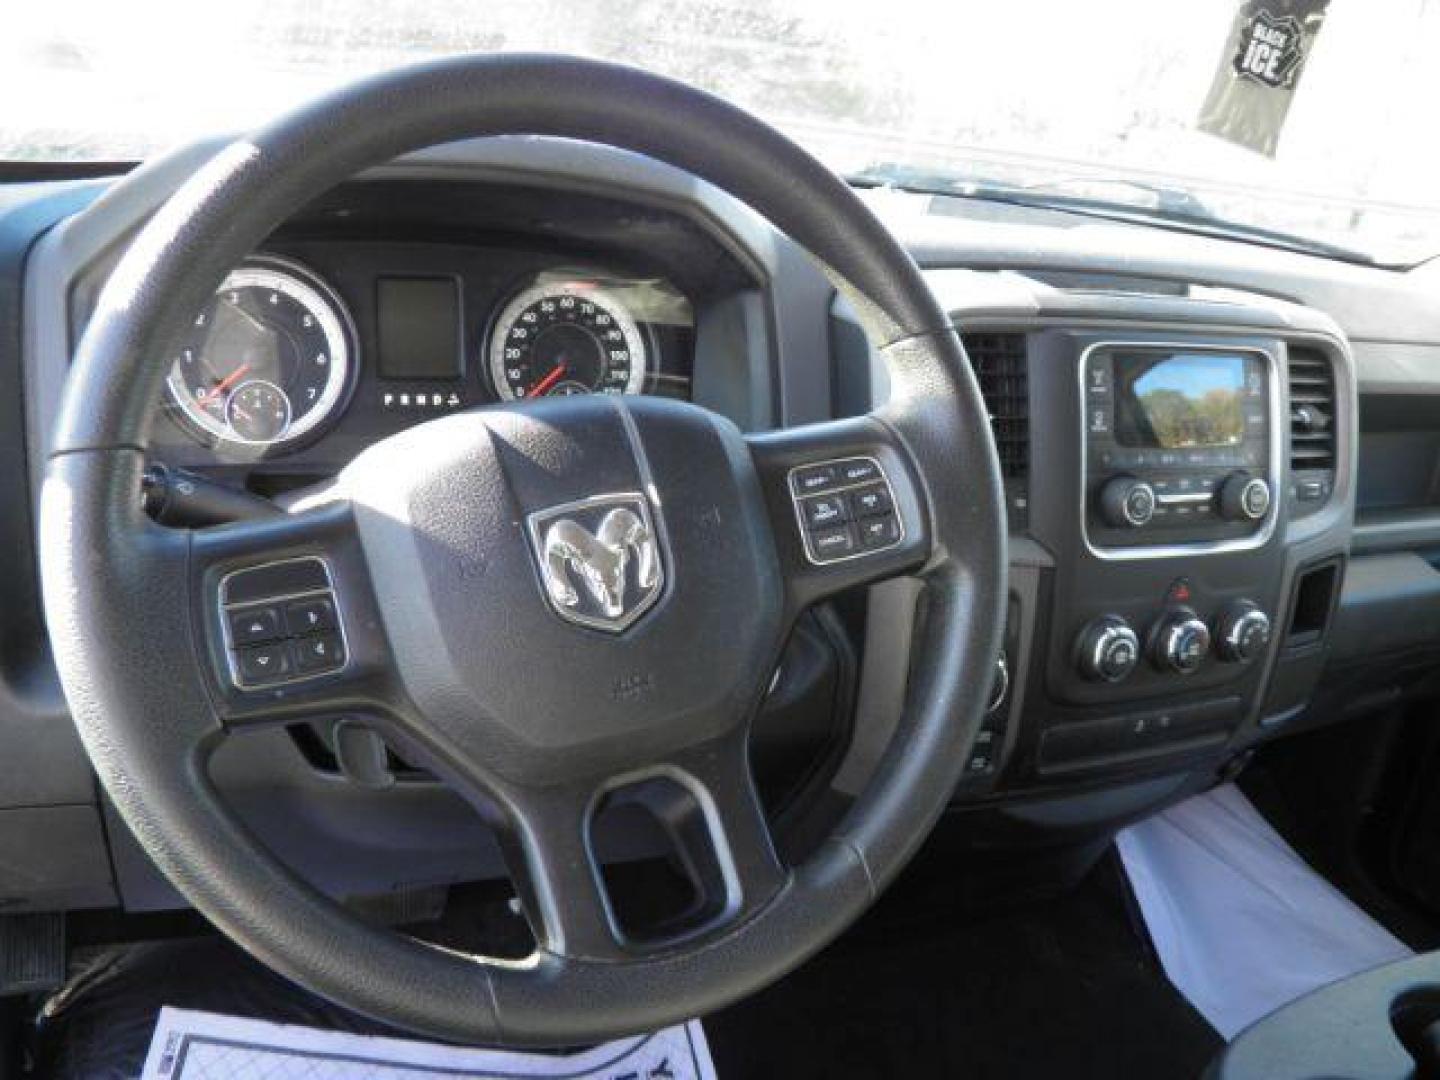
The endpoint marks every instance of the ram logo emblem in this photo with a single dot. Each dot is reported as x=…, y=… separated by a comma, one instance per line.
x=599, y=560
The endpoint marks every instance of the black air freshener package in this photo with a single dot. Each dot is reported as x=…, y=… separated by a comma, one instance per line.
x=1260, y=68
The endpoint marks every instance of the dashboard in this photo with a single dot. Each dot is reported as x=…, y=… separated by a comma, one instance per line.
x=1218, y=463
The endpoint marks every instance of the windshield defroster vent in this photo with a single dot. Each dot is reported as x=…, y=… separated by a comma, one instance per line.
x=1001, y=366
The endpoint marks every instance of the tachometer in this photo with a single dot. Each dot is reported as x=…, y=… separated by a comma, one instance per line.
x=267, y=361
x=566, y=338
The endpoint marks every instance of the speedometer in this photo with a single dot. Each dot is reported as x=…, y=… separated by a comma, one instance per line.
x=558, y=338
x=267, y=361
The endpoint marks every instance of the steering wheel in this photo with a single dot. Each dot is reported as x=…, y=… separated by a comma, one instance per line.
x=436, y=550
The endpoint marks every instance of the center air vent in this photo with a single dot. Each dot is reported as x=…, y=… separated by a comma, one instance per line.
x=999, y=363
x=1312, y=430
x=1312, y=412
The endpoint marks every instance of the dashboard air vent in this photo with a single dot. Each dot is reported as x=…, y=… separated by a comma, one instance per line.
x=1312, y=411
x=1000, y=366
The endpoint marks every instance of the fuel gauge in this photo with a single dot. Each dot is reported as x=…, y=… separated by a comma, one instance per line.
x=258, y=412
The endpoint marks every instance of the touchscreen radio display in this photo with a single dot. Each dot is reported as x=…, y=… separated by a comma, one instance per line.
x=1171, y=401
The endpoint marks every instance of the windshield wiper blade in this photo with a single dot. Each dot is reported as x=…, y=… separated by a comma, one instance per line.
x=1167, y=200
x=1188, y=219
x=1202, y=224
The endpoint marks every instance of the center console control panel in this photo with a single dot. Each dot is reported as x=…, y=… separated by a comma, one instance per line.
x=1157, y=456
x=1154, y=567
x=1181, y=447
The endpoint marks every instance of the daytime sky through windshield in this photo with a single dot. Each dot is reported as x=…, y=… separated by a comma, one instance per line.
x=1078, y=95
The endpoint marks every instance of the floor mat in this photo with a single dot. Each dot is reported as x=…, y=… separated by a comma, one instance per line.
x=205, y=1046
x=1241, y=923
x=1061, y=987
x=924, y=986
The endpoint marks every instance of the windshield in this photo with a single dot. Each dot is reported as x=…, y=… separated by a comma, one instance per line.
x=1105, y=101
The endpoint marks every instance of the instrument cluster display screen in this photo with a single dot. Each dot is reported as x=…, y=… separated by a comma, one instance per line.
x=1178, y=401
x=418, y=319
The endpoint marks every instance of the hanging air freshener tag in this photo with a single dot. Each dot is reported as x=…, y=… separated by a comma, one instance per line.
x=1260, y=68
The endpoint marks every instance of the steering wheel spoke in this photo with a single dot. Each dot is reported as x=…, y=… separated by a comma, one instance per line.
x=846, y=504
x=547, y=843
x=702, y=805
x=289, y=618
x=748, y=867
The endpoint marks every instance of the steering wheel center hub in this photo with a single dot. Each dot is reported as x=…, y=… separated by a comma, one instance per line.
x=574, y=584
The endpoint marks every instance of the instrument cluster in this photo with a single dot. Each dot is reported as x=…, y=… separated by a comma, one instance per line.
x=280, y=357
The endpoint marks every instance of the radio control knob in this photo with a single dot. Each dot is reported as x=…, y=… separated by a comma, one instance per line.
x=1127, y=503
x=1242, y=632
x=1244, y=498
x=1181, y=643
x=1108, y=650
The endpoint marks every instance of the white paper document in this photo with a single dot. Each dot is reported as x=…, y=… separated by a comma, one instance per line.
x=1242, y=924
x=205, y=1046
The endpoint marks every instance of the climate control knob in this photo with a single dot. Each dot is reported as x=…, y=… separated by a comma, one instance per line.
x=1181, y=643
x=1108, y=650
x=1244, y=498
x=1242, y=632
x=1127, y=503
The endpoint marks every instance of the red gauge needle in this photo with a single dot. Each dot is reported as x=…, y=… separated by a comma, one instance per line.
x=548, y=382
x=224, y=384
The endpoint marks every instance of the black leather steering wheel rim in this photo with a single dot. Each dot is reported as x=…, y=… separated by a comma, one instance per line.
x=122, y=595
